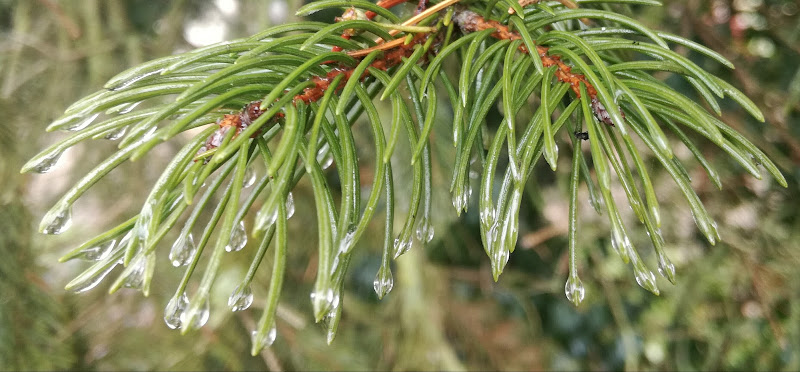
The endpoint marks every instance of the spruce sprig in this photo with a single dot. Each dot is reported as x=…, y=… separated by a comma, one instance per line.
x=285, y=100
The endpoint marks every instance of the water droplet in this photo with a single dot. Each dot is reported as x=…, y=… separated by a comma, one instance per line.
x=324, y=157
x=289, y=205
x=401, y=247
x=200, y=318
x=145, y=219
x=129, y=82
x=265, y=219
x=424, y=230
x=175, y=309
x=666, y=268
x=346, y=243
x=325, y=301
x=461, y=199
x=646, y=279
x=46, y=163
x=116, y=133
x=82, y=123
x=265, y=340
x=491, y=237
x=249, y=177
x=92, y=281
x=499, y=260
x=97, y=252
x=384, y=282
x=488, y=215
x=574, y=290
x=238, y=238
x=241, y=298
x=124, y=109
x=332, y=323
x=182, y=251
x=135, y=277
x=57, y=220
x=621, y=244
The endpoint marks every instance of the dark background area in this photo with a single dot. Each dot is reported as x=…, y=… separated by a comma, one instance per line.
x=736, y=305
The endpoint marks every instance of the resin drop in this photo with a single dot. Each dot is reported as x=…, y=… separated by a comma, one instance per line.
x=241, y=298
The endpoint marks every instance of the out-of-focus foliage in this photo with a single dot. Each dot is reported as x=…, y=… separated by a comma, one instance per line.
x=735, y=306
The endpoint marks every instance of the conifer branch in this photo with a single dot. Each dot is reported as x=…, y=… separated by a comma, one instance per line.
x=283, y=102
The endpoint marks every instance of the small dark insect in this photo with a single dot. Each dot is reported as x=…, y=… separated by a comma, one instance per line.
x=635, y=43
x=584, y=136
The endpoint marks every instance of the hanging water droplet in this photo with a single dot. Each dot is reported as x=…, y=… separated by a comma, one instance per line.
x=135, y=277
x=92, y=281
x=331, y=324
x=200, y=318
x=266, y=218
x=174, y=311
x=129, y=82
x=128, y=108
x=289, y=205
x=401, y=246
x=499, y=260
x=491, y=236
x=145, y=219
x=346, y=243
x=666, y=268
x=384, y=282
x=182, y=251
x=621, y=244
x=461, y=199
x=325, y=300
x=97, y=252
x=324, y=157
x=46, y=163
x=424, y=231
x=266, y=340
x=57, y=220
x=116, y=133
x=249, y=177
x=488, y=215
x=574, y=290
x=82, y=123
x=238, y=238
x=646, y=279
x=241, y=298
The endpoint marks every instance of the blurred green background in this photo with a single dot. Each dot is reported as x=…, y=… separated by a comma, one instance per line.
x=736, y=305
